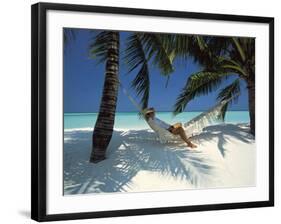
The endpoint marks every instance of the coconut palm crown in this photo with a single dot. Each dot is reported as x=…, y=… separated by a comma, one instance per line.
x=220, y=57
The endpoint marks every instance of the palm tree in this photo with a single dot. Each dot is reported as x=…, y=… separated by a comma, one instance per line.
x=221, y=57
x=140, y=49
x=106, y=46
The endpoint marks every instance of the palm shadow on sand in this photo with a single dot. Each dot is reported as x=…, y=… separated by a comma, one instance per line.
x=137, y=150
x=222, y=133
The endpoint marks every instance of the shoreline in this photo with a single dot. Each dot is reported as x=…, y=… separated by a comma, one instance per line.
x=140, y=128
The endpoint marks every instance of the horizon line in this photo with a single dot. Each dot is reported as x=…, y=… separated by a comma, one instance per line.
x=138, y=111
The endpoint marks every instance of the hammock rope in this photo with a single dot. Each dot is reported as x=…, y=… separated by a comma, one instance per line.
x=137, y=105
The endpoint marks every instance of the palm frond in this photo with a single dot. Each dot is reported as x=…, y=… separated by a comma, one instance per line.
x=159, y=49
x=141, y=48
x=204, y=50
x=201, y=43
x=223, y=59
x=142, y=83
x=186, y=46
x=200, y=83
x=230, y=93
x=237, y=44
x=99, y=46
x=234, y=69
x=136, y=58
x=180, y=44
x=222, y=63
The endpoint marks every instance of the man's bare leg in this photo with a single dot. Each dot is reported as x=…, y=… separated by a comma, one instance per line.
x=184, y=137
x=180, y=131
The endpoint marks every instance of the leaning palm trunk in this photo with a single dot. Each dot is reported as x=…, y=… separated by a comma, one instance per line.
x=251, y=100
x=104, y=125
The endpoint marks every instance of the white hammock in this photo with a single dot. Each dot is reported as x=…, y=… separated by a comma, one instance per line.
x=192, y=127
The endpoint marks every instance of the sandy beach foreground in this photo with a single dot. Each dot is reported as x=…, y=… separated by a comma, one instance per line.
x=137, y=162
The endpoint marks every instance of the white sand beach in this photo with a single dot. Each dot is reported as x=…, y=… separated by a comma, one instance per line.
x=137, y=162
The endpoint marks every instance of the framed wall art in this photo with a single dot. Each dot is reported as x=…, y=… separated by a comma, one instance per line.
x=138, y=111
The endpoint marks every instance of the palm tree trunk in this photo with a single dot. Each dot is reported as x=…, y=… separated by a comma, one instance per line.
x=104, y=125
x=251, y=101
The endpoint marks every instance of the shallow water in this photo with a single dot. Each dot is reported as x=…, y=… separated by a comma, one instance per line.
x=132, y=120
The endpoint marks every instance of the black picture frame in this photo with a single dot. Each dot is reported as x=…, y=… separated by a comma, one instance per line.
x=39, y=122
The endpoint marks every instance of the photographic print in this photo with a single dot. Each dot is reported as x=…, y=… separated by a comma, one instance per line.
x=157, y=111
x=141, y=111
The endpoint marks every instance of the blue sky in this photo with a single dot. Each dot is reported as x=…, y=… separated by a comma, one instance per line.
x=84, y=77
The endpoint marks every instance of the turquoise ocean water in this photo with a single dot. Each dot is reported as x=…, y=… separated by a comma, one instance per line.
x=131, y=120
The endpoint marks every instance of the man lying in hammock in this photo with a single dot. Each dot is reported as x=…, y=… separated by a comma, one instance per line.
x=175, y=129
